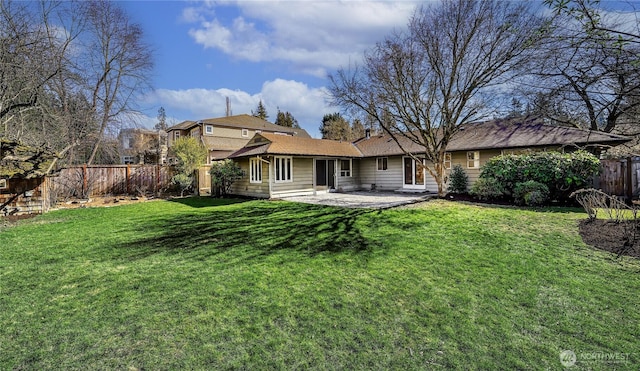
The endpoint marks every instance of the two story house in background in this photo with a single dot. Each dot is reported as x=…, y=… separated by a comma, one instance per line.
x=223, y=136
x=142, y=146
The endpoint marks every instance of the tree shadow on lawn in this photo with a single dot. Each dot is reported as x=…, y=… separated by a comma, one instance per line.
x=258, y=228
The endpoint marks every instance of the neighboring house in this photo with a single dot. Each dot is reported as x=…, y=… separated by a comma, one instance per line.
x=277, y=166
x=142, y=146
x=224, y=135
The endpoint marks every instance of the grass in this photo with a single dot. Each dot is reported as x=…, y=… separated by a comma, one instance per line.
x=229, y=284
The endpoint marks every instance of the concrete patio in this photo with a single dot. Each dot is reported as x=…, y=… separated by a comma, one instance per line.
x=368, y=200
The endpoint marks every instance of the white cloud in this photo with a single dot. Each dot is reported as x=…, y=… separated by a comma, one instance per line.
x=307, y=105
x=313, y=36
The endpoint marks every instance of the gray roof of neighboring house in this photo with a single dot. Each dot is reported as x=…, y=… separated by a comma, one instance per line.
x=499, y=134
x=242, y=122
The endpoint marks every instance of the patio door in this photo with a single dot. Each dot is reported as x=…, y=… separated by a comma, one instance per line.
x=414, y=174
x=326, y=173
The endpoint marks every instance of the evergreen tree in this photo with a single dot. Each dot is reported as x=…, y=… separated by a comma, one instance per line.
x=260, y=112
x=357, y=129
x=162, y=120
x=335, y=127
x=286, y=119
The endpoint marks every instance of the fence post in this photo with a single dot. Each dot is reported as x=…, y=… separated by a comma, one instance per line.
x=629, y=185
x=127, y=174
x=84, y=180
x=157, y=184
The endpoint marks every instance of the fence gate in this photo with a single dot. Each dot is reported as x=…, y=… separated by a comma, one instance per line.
x=620, y=177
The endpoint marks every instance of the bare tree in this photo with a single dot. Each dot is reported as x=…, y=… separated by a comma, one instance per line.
x=30, y=57
x=426, y=82
x=590, y=72
x=119, y=65
x=589, y=16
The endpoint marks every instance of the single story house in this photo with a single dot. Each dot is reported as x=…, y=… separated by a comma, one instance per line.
x=277, y=165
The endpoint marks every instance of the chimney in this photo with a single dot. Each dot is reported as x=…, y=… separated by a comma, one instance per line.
x=228, y=107
x=367, y=133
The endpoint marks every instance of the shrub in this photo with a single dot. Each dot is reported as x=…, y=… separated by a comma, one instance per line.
x=562, y=173
x=487, y=189
x=458, y=180
x=223, y=174
x=531, y=193
x=182, y=181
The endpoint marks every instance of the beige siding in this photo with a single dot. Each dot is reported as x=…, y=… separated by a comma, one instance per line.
x=384, y=180
x=224, y=132
x=244, y=187
x=302, y=179
x=348, y=183
x=460, y=158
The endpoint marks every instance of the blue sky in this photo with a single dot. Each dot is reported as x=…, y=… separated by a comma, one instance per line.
x=277, y=52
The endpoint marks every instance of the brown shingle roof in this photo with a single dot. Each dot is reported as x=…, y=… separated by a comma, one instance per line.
x=274, y=144
x=498, y=135
x=503, y=134
x=184, y=125
x=242, y=122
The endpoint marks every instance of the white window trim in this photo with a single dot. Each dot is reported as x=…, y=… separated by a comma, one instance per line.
x=176, y=135
x=447, y=160
x=4, y=184
x=245, y=133
x=286, y=176
x=255, y=170
x=343, y=172
x=208, y=129
x=476, y=160
x=385, y=162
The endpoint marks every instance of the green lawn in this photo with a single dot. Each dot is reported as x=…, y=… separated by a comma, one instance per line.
x=210, y=284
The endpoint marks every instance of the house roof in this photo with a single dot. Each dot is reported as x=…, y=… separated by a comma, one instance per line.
x=499, y=134
x=242, y=122
x=275, y=144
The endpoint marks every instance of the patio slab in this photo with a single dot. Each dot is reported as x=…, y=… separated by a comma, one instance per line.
x=367, y=200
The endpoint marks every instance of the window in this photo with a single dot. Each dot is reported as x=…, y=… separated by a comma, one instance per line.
x=345, y=167
x=3, y=184
x=255, y=170
x=473, y=160
x=283, y=169
x=208, y=129
x=382, y=163
x=127, y=142
x=127, y=160
x=245, y=133
x=447, y=160
x=176, y=135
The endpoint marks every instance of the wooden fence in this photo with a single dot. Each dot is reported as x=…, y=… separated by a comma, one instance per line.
x=620, y=177
x=101, y=180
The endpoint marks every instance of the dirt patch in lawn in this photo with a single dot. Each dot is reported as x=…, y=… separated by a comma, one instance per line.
x=609, y=236
x=103, y=202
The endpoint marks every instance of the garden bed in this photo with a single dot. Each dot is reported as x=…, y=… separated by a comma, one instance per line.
x=607, y=235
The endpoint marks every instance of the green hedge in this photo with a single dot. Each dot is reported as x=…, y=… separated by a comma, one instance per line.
x=562, y=173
